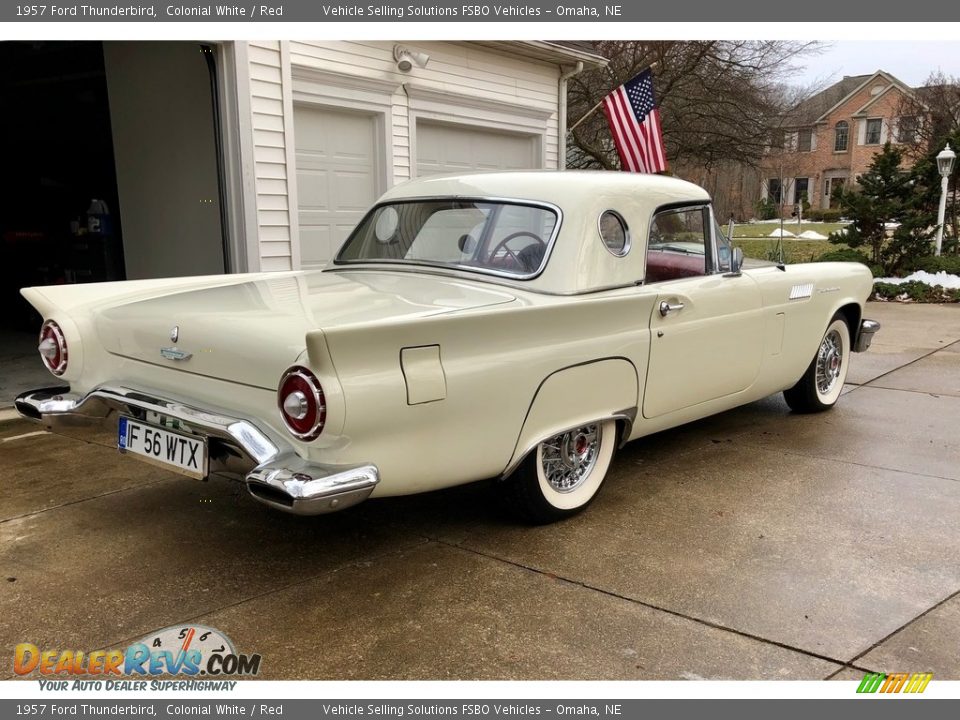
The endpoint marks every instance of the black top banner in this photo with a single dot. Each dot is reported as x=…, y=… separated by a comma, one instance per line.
x=465, y=11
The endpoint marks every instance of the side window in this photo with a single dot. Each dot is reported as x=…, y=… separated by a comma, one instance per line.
x=678, y=246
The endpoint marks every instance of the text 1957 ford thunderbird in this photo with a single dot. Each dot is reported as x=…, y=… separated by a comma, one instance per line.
x=519, y=326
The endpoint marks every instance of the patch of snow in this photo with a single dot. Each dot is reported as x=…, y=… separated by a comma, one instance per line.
x=812, y=235
x=942, y=278
x=781, y=233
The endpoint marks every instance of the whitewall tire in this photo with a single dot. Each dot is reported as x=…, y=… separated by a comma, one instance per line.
x=563, y=474
x=821, y=385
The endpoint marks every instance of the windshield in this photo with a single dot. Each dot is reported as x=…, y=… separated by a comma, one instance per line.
x=497, y=237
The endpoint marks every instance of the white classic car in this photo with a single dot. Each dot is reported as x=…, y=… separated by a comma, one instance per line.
x=519, y=326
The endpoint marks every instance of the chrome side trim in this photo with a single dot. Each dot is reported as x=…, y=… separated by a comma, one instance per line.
x=868, y=328
x=272, y=470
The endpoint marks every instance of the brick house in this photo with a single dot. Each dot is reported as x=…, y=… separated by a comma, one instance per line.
x=829, y=139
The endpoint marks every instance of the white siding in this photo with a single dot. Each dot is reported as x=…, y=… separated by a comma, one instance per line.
x=269, y=150
x=462, y=83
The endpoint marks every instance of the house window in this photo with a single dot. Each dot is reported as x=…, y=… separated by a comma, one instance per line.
x=907, y=128
x=804, y=140
x=778, y=139
x=841, y=134
x=872, y=136
x=801, y=190
x=773, y=190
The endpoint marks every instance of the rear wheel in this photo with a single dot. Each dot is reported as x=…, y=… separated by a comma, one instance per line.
x=563, y=474
x=821, y=385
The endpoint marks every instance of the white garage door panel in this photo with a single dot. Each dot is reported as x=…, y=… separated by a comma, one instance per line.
x=336, y=177
x=351, y=190
x=311, y=188
x=454, y=148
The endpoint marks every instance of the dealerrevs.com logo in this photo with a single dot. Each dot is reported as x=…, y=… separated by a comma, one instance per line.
x=192, y=650
x=895, y=682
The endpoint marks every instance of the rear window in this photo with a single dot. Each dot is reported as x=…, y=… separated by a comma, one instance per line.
x=502, y=238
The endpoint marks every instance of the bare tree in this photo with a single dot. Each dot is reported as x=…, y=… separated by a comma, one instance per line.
x=719, y=99
x=933, y=111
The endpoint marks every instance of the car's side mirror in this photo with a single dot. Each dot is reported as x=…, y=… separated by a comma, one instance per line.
x=736, y=261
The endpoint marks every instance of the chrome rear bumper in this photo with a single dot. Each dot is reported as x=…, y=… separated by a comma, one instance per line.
x=868, y=328
x=273, y=472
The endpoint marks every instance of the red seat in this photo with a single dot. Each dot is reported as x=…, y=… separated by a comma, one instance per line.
x=666, y=265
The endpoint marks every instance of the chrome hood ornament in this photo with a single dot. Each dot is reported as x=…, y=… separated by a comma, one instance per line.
x=175, y=353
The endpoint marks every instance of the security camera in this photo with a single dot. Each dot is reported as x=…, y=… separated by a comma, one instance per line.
x=406, y=58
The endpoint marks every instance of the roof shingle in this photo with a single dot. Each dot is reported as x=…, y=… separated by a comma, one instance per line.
x=807, y=111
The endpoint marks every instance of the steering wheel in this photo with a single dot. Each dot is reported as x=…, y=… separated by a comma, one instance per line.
x=514, y=256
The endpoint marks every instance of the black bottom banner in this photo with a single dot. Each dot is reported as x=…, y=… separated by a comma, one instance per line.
x=872, y=708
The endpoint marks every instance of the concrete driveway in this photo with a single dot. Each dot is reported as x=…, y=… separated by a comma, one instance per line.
x=756, y=544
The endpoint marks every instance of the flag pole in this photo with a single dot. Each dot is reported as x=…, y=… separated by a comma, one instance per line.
x=596, y=107
x=590, y=112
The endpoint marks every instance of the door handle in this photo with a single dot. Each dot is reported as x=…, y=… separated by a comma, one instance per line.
x=666, y=308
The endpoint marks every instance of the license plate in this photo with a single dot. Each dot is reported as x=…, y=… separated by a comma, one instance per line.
x=186, y=454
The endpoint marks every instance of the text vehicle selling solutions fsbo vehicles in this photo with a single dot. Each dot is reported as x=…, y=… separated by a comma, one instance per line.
x=519, y=326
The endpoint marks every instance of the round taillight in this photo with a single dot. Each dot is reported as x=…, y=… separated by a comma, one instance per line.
x=53, y=348
x=301, y=402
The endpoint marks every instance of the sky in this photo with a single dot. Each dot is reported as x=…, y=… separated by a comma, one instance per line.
x=911, y=61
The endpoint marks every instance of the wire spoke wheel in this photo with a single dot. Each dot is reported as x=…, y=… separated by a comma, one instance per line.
x=821, y=385
x=567, y=459
x=829, y=361
x=563, y=473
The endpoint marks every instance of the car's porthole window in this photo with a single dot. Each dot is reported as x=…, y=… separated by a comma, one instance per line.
x=387, y=222
x=614, y=233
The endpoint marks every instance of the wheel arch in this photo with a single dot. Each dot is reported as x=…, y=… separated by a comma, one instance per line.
x=852, y=313
x=601, y=389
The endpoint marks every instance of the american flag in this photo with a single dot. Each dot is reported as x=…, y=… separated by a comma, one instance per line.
x=634, y=120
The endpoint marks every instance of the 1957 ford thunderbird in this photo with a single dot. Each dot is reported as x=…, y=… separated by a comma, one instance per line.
x=519, y=326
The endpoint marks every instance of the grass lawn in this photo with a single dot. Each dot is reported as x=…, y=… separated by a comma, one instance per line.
x=794, y=251
x=762, y=230
x=755, y=242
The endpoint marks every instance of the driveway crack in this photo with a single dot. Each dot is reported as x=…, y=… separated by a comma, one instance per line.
x=651, y=606
x=907, y=624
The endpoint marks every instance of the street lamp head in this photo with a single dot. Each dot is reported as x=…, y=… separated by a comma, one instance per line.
x=945, y=161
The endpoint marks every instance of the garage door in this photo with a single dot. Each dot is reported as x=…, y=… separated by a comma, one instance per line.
x=336, y=177
x=455, y=148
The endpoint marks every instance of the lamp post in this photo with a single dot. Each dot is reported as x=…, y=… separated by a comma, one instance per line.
x=945, y=166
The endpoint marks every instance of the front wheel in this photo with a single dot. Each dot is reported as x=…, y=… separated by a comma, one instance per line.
x=563, y=474
x=821, y=385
